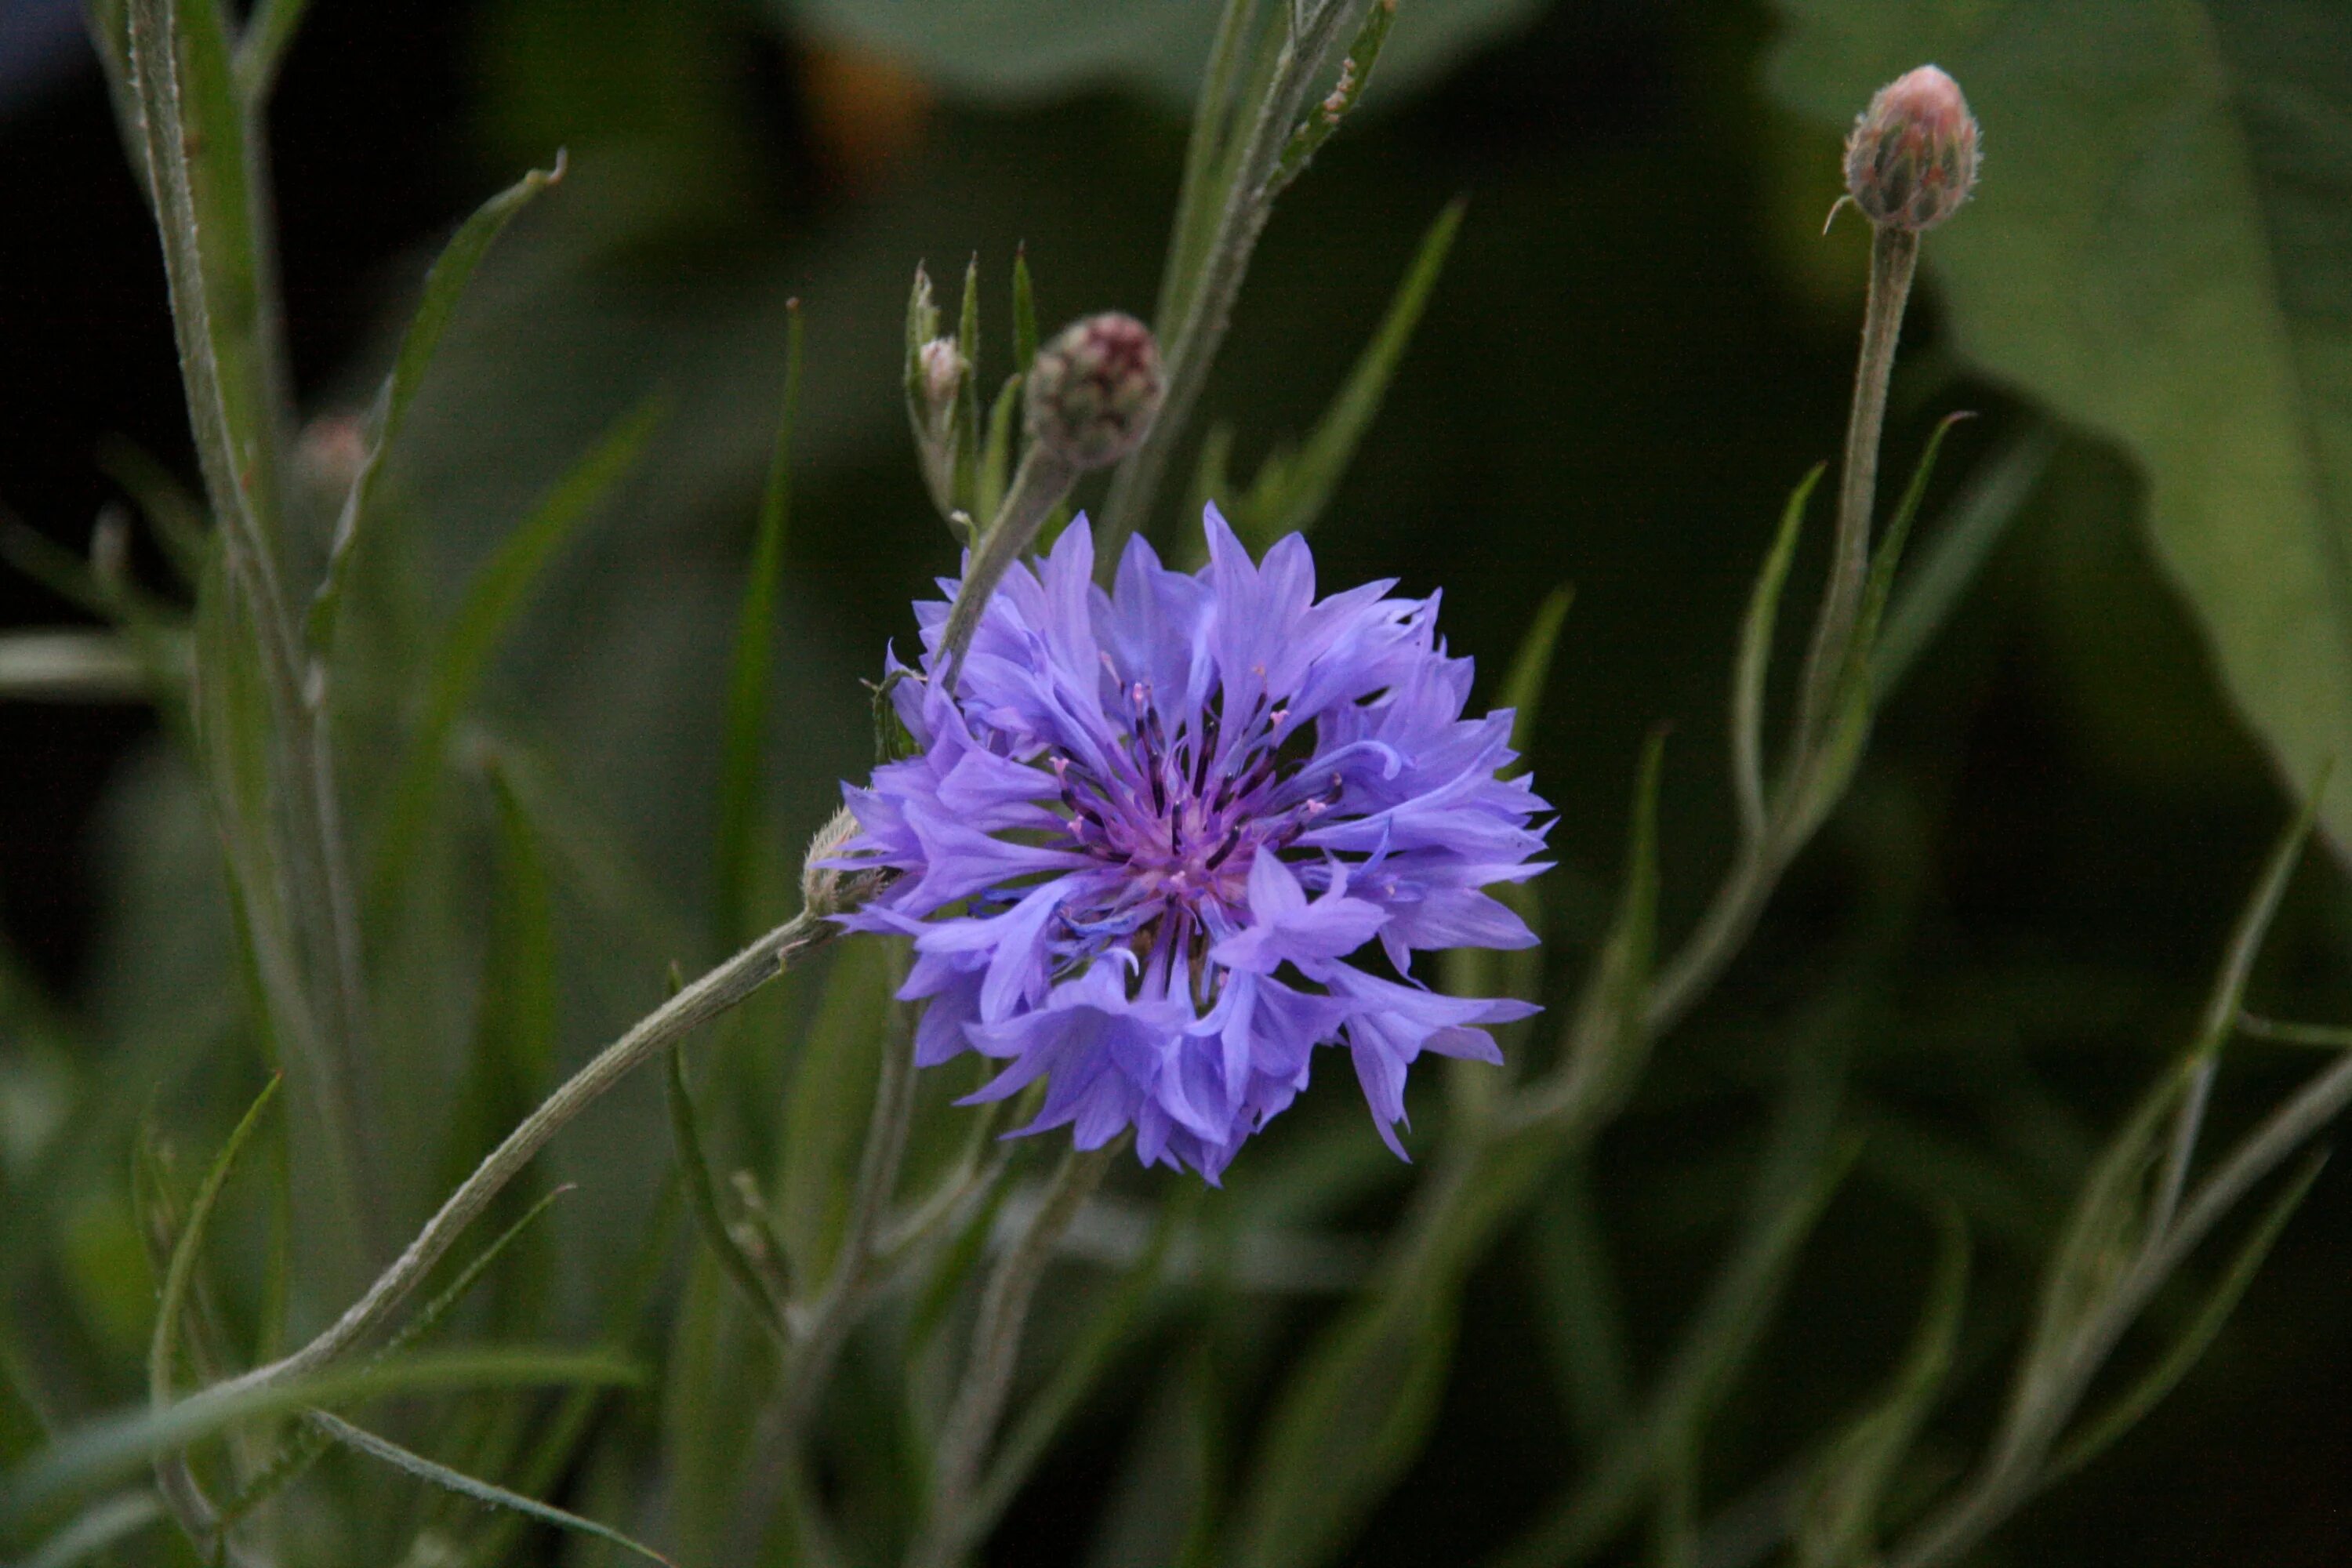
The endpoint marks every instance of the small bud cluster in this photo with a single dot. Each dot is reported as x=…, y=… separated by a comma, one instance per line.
x=1093, y=390
x=1911, y=160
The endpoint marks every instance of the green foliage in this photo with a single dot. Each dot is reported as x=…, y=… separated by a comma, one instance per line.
x=833, y=1083
x=2157, y=255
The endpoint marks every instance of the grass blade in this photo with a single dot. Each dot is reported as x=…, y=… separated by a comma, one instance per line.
x=743, y=752
x=1980, y=517
x=466, y=1485
x=2159, y=1380
x=1530, y=672
x=445, y=285
x=498, y=591
x=102, y=1525
x=694, y=1168
x=112, y=1447
x=1290, y=495
x=1755, y=662
x=180, y=1275
x=1837, y=1524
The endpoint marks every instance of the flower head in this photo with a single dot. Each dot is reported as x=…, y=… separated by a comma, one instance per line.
x=1911, y=159
x=1093, y=389
x=1152, y=847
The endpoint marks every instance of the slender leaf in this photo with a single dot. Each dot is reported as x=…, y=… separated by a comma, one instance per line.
x=1837, y=1525
x=1755, y=661
x=1289, y=496
x=466, y=1485
x=497, y=593
x=180, y=1277
x=702, y=1200
x=967, y=428
x=445, y=285
x=1530, y=671
x=1978, y=520
x=1024, y=315
x=114, y=1446
x=71, y=666
x=1580, y=1319
x=824, y=1118
x=2095, y=1434
x=996, y=453
x=1355, y=75
x=743, y=754
x=100, y=1526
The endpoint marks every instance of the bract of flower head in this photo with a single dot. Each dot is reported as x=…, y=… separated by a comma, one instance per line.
x=1164, y=841
x=1911, y=158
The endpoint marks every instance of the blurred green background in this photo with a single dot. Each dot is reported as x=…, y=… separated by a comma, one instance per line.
x=1641, y=341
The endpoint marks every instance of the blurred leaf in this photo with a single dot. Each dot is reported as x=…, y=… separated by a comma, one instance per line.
x=445, y=285
x=71, y=666
x=2159, y=256
x=480, y=1491
x=1975, y=522
x=1530, y=673
x=495, y=594
x=743, y=757
x=2186, y=1350
x=179, y=1277
x=1291, y=492
x=103, y=1525
x=1838, y=1522
x=1019, y=50
x=1581, y=1318
x=702, y=1200
x=832, y=1086
x=1352, y=1415
x=1755, y=662
x=117, y=1444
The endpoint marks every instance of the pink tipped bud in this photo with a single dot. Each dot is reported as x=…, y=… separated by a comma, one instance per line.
x=1912, y=158
x=1093, y=389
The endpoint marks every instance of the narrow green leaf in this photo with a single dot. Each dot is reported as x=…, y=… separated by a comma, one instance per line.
x=102, y=1525
x=825, y=1119
x=1755, y=663
x=296, y=1455
x=466, y=1485
x=1290, y=496
x=2100, y=1430
x=180, y=1277
x=922, y=326
x=1581, y=1320
x=114, y=1446
x=445, y=285
x=1837, y=1524
x=743, y=754
x=1024, y=315
x=1530, y=671
x=967, y=408
x=495, y=594
x=70, y=665
x=1978, y=519
x=996, y=457
x=702, y=1200
x=1355, y=75
x=1607, y=1038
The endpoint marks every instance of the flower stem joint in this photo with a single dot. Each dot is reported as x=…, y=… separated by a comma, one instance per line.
x=1911, y=160
x=1093, y=390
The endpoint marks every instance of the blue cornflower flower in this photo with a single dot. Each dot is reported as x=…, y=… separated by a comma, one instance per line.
x=1140, y=844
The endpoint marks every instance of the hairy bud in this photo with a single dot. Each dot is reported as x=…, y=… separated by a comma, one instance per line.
x=1912, y=158
x=1093, y=390
x=827, y=887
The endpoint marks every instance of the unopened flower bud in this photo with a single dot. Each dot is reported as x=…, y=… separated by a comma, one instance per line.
x=1093, y=389
x=943, y=373
x=1912, y=158
x=828, y=886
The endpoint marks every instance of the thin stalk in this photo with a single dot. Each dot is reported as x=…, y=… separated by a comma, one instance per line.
x=1038, y=486
x=236, y=465
x=996, y=1337
x=1894, y=259
x=1249, y=203
x=714, y=994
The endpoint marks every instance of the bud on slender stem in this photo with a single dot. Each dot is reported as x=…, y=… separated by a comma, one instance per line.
x=1911, y=159
x=1910, y=162
x=1092, y=393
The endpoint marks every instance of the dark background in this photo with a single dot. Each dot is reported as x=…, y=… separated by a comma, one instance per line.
x=1637, y=348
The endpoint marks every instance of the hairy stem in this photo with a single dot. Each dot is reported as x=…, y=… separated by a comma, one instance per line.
x=1894, y=259
x=995, y=1348
x=1249, y=196
x=707, y=998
